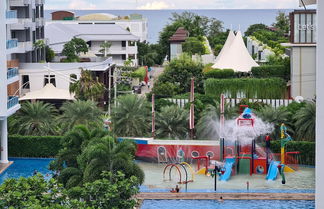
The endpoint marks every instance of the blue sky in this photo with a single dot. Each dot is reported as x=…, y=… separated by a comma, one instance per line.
x=170, y=4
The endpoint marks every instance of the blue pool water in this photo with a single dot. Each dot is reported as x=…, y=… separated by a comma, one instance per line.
x=24, y=167
x=230, y=204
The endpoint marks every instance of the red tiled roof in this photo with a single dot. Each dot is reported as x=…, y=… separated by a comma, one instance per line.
x=180, y=35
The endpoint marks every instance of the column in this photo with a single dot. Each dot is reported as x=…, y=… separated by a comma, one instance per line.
x=4, y=141
x=126, y=50
x=319, y=105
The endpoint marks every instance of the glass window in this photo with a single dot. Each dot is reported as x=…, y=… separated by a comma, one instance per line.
x=51, y=79
x=25, y=82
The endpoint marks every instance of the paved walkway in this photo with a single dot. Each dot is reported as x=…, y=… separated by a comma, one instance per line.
x=155, y=74
x=227, y=196
x=4, y=166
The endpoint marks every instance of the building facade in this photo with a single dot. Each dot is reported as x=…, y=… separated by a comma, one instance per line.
x=22, y=24
x=258, y=50
x=303, y=53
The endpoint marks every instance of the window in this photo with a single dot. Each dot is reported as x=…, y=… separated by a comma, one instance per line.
x=131, y=56
x=123, y=43
x=123, y=56
x=73, y=77
x=51, y=78
x=25, y=82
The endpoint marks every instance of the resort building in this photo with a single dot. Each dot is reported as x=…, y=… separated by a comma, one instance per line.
x=176, y=41
x=22, y=24
x=123, y=43
x=134, y=23
x=258, y=50
x=303, y=53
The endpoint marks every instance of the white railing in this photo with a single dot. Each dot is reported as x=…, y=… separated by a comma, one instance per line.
x=275, y=103
x=12, y=43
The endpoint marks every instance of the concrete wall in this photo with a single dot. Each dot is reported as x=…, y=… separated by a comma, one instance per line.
x=303, y=71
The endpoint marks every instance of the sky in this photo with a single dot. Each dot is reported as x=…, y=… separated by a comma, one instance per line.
x=169, y=4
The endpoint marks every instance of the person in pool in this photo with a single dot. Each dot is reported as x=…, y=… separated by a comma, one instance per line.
x=221, y=199
x=173, y=190
x=177, y=189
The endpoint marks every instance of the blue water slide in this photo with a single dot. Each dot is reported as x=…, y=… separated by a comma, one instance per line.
x=273, y=170
x=229, y=162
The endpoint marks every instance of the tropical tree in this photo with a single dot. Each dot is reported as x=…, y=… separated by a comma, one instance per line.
x=105, y=48
x=80, y=112
x=305, y=120
x=193, y=45
x=73, y=48
x=104, y=154
x=282, y=22
x=255, y=27
x=276, y=117
x=172, y=122
x=207, y=126
x=131, y=116
x=87, y=87
x=50, y=54
x=34, y=118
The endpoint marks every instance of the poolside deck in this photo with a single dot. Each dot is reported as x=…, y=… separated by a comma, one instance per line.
x=4, y=166
x=226, y=196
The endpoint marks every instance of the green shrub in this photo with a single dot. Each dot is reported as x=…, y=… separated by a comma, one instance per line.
x=306, y=149
x=139, y=73
x=266, y=88
x=208, y=67
x=268, y=71
x=33, y=146
x=218, y=73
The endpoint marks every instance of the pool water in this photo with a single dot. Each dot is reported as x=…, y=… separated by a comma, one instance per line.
x=25, y=167
x=230, y=204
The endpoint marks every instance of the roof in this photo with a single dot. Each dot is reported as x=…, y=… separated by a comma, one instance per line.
x=58, y=34
x=235, y=55
x=97, y=17
x=49, y=92
x=180, y=35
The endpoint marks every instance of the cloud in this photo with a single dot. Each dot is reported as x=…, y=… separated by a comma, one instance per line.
x=81, y=4
x=156, y=5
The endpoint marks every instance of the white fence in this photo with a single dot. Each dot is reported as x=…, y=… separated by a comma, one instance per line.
x=273, y=102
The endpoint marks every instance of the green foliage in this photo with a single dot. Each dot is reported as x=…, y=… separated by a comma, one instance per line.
x=172, y=122
x=180, y=71
x=159, y=103
x=105, y=48
x=268, y=71
x=39, y=44
x=131, y=116
x=305, y=119
x=80, y=112
x=149, y=54
x=139, y=73
x=166, y=89
x=219, y=73
x=193, y=45
x=87, y=87
x=254, y=28
x=73, y=48
x=282, y=22
x=217, y=41
x=306, y=149
x=269, y=88
x=33, y=146
x=34, y=118
x=50, y=54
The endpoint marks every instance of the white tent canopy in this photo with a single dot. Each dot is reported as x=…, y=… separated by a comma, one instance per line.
x=49, y=92
x=234, y=55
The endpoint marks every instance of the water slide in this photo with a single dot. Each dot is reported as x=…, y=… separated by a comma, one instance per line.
x=228, y=169
x=273, y=170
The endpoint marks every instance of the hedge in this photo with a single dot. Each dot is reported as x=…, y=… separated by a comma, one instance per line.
x=218, y=73
x=34, y=146
x=306, y=149
x=268, y=71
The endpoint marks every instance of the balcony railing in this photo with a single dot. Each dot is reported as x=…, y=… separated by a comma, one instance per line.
x=11, y=14
x=12, y=72
x=12, y=43
x=12, y=101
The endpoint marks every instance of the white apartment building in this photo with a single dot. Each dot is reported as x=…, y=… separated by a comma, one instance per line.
x=123, y=43
x=258, y=50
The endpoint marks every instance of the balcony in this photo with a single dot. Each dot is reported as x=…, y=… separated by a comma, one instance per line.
x=12, y=101
x=25, y=46
x=12, y=72
x=19, y=3
x=11, y=44
x=11, y=14
x=23, y=23
x=39, y=22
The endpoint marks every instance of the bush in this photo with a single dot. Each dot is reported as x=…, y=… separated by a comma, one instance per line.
x=306, y=149
x=218, y=73
x=208, y=67
x=166, y=89
x=139, y=73
x=34, y=146
x=268, y=71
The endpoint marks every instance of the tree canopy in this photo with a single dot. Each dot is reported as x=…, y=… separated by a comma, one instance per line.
x=73, y=48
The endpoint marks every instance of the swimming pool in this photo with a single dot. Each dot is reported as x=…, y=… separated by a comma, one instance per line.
x=25, y=167
x=231, y=204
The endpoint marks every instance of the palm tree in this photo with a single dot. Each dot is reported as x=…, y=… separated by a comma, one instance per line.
x=131, y=116
x=276, y=117
x=80, y=112
x=104, y=154
x=35, y=118
x=87, y=87
x=305, y=120
x=172, y=122
x=105, y=48
x=207, y=126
